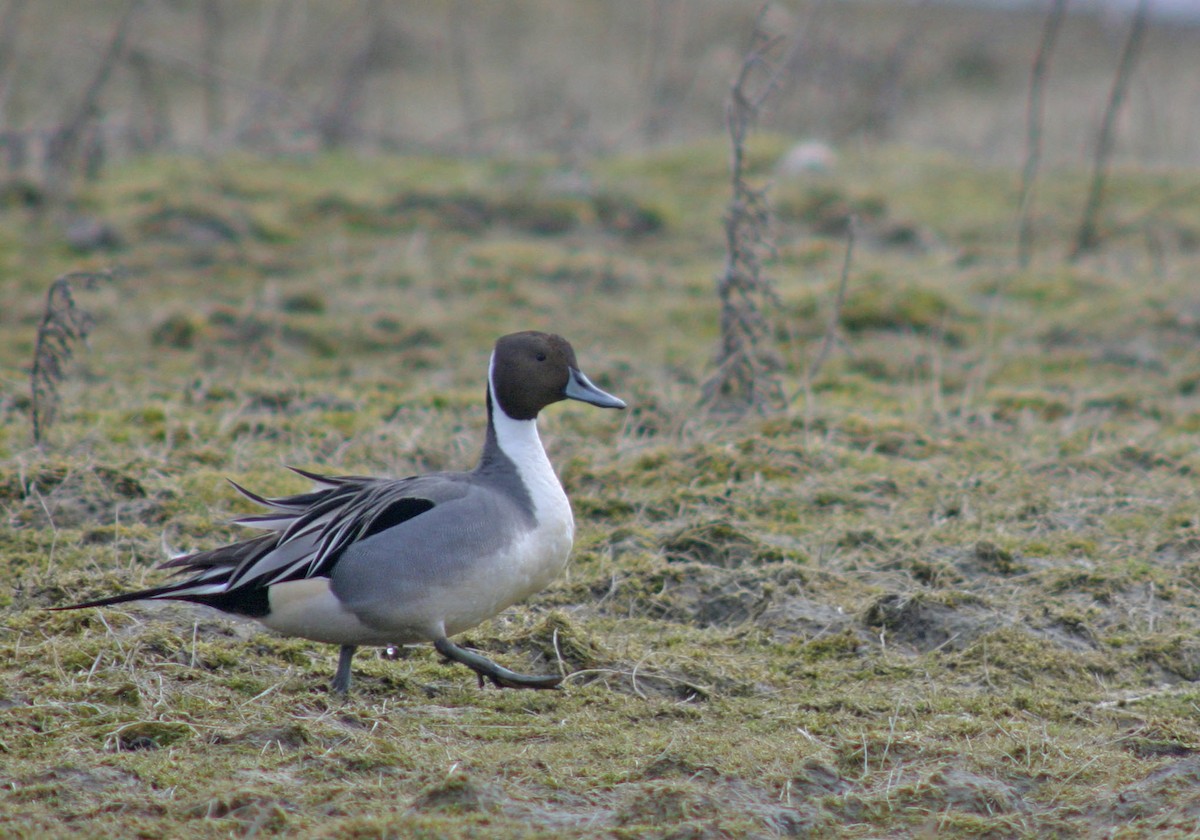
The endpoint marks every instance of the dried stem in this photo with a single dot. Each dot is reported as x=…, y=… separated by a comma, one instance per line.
x=745, y=363
x=1034, y=113
x=70, y=135
x=63, y=326
x=835, y=316
x=338, y=121
x=1088, y=238
x=213, y=25
x=667, y=74
x=152, y=119
x=465, y=80
x=10, y=31
x=263, y=97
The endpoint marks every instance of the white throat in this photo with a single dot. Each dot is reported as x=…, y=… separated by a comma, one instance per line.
x=519, y=440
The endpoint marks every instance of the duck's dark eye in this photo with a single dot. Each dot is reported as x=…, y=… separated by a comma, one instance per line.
x=541, y=357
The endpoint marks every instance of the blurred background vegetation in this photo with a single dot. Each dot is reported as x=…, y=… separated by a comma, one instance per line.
x=84, y=84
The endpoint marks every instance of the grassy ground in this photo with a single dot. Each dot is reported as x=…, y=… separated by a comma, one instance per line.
x=954, y=588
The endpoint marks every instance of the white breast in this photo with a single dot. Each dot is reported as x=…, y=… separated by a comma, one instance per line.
x=530, y=562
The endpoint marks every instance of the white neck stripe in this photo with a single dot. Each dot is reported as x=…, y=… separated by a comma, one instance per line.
x=521, y=444
x=518, y=439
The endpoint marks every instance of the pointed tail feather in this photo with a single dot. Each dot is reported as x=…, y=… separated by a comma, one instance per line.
x=177, y=591
x=252, y=601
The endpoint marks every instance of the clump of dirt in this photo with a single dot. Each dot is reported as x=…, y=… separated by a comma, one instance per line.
x=558, y=639
x=1178, y=655
x=877, y=305
x=666, y=803
x=709, y=805
x=798, y=616
x=826, y=210
x=962, y=790
x=68, y=495
x=926, y=623
x=626, y=217
x=1151, y=741
x=288, y=737
x=68, y=782
x=693, y=593
x=458, y=793
x=815, y=779
x=251, y=810
x=178, y=330
x=471, y=213
x=149, y=735
x=196, y=227
x=1166, y=798
x=670, y=766
x=463, y=213
x=714, y=543
x=19, y=193
x=988, y=557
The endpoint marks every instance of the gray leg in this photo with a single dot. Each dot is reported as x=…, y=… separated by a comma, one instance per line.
x=501, y=677
x=341, y=680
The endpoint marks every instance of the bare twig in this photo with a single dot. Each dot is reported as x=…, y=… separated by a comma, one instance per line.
x=1034, y=112
x=835, y=316
x=63, y=326
x=886, y=98
x=150, y=126
x=464, y=75
x=745, y=363
x=274, y=31
x=10, y=28
x=337, y=121
x=1088, y=238
x=263, y=93
x=70, y=135
x=667, y=75
x=213, y=22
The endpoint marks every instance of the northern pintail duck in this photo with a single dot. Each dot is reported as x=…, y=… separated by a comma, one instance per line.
x=380, y=561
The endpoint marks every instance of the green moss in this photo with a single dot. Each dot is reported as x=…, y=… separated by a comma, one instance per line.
x=1178, y=655
x=880, y=305
x=1049, y=289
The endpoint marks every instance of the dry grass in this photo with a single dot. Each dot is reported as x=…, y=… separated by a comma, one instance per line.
x=917, y=600
x=953, y=588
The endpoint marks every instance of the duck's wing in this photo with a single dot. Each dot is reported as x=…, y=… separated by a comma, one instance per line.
x=308, y=533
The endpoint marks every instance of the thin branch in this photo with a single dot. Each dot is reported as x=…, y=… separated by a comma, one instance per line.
x=264, y=94
x=465, y=82
x=71, y=133
x=663, y=78
x=10, y=30
x=337, y=121
x=835, y=316
x=213, y=26
x=1087, y=239
x=1034, y=113
x=274, y=29
x=151, y=122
